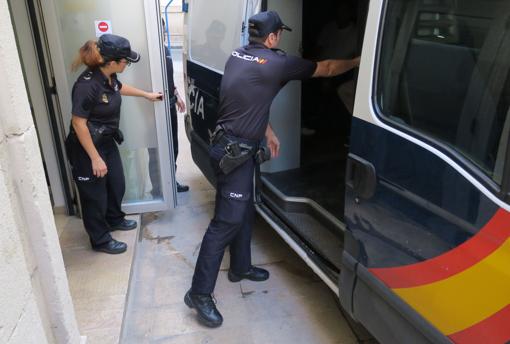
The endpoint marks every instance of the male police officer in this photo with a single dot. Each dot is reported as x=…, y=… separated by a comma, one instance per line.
x=253, y=76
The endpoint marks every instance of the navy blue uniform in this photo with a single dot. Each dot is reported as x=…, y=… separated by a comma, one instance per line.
x=253, y=77
x=99, y=102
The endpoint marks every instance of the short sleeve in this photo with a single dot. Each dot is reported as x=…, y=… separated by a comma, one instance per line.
x=297, y=68
x=84, y=98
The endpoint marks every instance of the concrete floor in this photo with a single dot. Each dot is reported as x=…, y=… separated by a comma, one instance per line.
x=293, y=306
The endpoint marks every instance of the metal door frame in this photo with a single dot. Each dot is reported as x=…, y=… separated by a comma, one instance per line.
x=53, y=105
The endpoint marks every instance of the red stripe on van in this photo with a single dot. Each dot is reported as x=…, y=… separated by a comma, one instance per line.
x=488, y=239
x=493, y=330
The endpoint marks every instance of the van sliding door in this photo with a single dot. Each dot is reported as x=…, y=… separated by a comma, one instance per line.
x=216, y=28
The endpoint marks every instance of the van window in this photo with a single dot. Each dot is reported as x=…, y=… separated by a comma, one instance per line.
x=215, y=30
x=444, y=72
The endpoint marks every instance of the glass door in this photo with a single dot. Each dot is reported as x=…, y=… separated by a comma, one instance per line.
x=148, y=165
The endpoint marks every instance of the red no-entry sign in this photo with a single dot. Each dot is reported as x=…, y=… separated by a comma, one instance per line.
x=102, y=26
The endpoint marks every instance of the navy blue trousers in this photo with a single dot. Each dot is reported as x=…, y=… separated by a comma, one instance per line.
x=231, y=225
x=100, y=198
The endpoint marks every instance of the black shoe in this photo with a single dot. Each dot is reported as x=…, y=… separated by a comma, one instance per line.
x=182, y=188
x=254, y=274
x=206, y=309
x=124, y=225
x=112, y=247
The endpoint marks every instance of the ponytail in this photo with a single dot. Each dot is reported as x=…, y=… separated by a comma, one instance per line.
x=88, y=55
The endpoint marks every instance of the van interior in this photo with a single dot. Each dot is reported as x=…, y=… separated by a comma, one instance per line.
x=310, y=198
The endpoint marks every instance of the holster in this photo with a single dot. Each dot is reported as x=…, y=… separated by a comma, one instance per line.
x=98, y=132
x=236, y=154
x=262, y=155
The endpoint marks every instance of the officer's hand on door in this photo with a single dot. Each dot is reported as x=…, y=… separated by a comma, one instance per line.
x=99, y=168
x=154, y=97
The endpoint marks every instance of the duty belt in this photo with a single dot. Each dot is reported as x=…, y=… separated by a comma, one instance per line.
x=101, y=133
x=237, y=150
x=223, y=138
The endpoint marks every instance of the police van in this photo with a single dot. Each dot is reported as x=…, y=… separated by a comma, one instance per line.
x=403, y=207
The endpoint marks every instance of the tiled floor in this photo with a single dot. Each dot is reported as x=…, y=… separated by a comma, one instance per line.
x=98, y=281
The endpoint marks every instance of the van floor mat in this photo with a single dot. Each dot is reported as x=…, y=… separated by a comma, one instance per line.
x=322, y=182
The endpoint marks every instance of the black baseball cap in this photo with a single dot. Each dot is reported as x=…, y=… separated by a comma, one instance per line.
x=264, y=23
x=115, y=47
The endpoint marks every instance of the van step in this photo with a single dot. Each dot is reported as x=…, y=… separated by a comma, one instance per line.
x=319, y=237
x=324, y=270
x=317, y=228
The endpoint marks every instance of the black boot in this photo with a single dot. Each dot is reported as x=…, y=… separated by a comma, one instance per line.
x=112, y=247
x=207, y=312
x=124, y=225
x=254, y=274
x=182, y=187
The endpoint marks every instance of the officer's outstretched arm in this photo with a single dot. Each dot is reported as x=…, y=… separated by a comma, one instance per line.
x=128, y=90
x=330, y=68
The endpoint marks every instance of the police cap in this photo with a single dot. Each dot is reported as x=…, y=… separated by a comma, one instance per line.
x=115, y=47
x=264, y=23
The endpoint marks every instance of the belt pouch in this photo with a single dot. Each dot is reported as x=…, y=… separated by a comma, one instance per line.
x=96, y=132
x=118, y=136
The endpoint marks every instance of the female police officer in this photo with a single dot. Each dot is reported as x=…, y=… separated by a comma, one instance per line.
x=91, y=147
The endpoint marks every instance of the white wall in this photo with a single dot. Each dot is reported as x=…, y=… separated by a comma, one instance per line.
x=35, y=303
x=36, y=92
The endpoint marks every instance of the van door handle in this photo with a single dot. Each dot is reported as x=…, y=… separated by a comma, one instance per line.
x=360, y=177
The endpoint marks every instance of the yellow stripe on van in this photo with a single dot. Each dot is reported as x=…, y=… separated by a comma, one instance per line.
x=467, y=298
